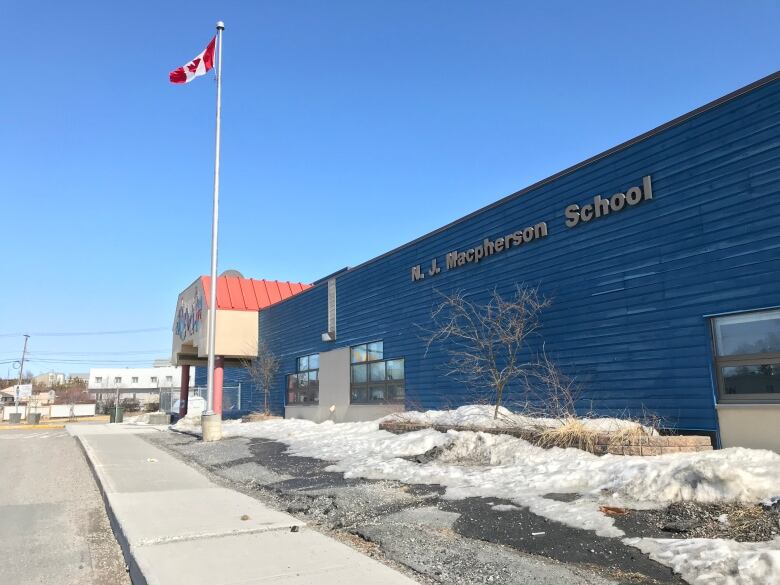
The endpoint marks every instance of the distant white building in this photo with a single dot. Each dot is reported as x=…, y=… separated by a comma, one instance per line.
x=142, y=384
x=49, y=379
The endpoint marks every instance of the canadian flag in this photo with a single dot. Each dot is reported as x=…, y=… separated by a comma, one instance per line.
x=200, y=65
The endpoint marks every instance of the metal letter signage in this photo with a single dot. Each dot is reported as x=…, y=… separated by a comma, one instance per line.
x=574, y=215
x=488, y=247
x=601, y=207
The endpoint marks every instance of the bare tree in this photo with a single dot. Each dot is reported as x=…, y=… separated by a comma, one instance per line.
x=72, y=392
x=550, y=392
x=262, y=370
x=488, y=343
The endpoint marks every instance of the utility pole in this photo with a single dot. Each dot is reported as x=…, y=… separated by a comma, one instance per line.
x=21, y=370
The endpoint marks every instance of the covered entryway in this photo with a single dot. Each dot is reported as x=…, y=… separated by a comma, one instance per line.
x=239, y=300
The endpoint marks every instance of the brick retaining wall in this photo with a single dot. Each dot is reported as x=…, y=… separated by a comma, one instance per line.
x=599, y=444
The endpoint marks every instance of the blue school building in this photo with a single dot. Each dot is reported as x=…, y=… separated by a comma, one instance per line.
x=661, y=261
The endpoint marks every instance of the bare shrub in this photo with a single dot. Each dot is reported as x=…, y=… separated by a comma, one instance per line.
x=262, y=370
x=488, y=344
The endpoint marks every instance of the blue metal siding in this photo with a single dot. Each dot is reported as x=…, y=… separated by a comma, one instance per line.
x=629, y=291
x=251, y=397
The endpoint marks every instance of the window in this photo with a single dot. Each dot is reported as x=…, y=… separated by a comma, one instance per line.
x=154, y=379
x=98, y=379
x=373, y=378
x=303, y=387
x=169, y=379
x=118, y=380
x=747, y=356
x=134, y=379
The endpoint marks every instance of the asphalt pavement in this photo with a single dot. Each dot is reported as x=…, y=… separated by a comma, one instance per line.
x=413, y=527
x=53, y=524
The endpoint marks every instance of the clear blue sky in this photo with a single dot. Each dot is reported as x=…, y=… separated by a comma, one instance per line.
x=349, y=127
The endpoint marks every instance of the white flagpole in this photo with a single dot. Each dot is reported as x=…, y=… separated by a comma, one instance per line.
x=214, y=234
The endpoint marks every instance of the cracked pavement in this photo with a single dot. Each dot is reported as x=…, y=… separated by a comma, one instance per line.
x=412, y=527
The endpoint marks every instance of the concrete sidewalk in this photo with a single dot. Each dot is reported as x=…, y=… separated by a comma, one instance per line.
x=176, y=526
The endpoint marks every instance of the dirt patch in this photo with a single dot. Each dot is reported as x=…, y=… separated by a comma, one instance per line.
x=741, y=522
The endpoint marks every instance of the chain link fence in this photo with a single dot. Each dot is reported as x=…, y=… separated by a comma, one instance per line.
x=231, y=398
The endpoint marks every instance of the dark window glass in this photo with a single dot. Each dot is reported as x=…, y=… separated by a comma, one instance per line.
x=376, y=393
x=375, y=380
x=395, y=392
x=747, y=348
x=375, y=351
x=303, y=387
x=376, y=372
x=752, y=333
x=358, y=394
x=395, y=369
x=359, y=374
x=359, y=354
x=752, y=379
x=292, y=388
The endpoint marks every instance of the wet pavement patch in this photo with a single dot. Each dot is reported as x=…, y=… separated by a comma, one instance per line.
x=521, y=529
x=475, y=540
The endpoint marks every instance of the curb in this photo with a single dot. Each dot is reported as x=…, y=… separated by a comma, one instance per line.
x=136, y=576
x=22, y=427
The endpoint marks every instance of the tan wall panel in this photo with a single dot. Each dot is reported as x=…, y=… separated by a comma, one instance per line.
x=334, y=391
x=751, y=425
x=236, y=334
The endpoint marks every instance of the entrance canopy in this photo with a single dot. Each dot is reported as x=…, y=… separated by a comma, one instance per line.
x=239, y=300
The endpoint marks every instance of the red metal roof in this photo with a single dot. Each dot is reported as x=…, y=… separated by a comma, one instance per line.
x=247, y=294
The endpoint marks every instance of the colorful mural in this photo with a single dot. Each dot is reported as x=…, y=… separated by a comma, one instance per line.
x=188, y=317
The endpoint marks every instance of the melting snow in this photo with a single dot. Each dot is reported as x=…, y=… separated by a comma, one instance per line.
x=479, y=416
x=704, y=561
x=475, y=464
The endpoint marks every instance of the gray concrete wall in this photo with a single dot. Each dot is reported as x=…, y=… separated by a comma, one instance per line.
x=334, y=392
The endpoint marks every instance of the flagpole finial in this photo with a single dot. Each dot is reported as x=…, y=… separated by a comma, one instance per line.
x=220, y=25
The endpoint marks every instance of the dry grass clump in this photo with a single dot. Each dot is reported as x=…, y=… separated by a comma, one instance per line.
x=571, y=432
x=574, y=431
x=258, y=417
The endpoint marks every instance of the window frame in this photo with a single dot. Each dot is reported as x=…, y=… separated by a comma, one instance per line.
x=370, y=384
x=753, y=359
x=297, y=374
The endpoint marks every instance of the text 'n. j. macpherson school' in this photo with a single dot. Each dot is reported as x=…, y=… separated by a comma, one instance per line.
x=661, y=258
x=574, y=215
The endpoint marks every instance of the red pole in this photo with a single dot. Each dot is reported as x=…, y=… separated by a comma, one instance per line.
x=219, y=376
x=184, y=392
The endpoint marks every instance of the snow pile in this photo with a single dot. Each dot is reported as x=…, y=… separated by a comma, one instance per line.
x=139, y=419
x=474, y=464
x=479, y=416
x=714, y=561
x=189, y=424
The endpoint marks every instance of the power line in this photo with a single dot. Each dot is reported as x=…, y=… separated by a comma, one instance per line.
x=49, y=353
x=85, y=333
x=87, y=361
